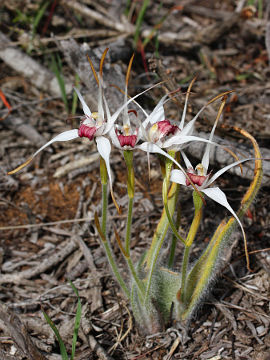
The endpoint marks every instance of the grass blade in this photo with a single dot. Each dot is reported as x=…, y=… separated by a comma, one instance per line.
x=58, y=336
x=75, y=97
x=77, y=321
x=57, y=69
x=39, y=16
x=140, y=20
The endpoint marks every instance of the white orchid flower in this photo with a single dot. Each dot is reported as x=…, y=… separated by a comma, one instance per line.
x=160, y=134
x=93, y=126
x=203, y=179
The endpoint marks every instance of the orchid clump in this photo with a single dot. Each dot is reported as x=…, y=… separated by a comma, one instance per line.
x=158, y=287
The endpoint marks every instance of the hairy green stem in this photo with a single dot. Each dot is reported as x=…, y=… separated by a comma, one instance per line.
x=104, y=181
x=166, y=181
x=189, y=240
x=128, y=155
x=174, y=239
x=159, y=236
x=169, y=216
x=132, y=269
x=104, y=207
x=185, y=263
x=128, y=228
x=163, y=225
x=115, y=269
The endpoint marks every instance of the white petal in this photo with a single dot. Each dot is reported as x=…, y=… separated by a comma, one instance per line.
x=64, y=136
x=114, y=138
x=118, y=111
x=126, y=120
x=143, y=133
x=100, y=100
x=186, y=160
x=188, y=129
x=178, y=177
x=108, y=113
x=183, y=139
x=109, y=123
x=184, y=113
x=86, y=109
x=223, y=170
x=104, y=149
x=153, y=148
x=157, y=114
x=206, y=155
x=218, y=196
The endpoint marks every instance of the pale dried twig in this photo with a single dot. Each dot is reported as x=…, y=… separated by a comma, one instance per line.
x=37, y=74
x=48, y=262
x=19, y=333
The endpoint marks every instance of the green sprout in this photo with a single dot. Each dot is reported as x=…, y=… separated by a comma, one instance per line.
x=78, y=315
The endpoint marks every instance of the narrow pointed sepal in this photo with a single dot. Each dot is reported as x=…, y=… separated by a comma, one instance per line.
x=20, y=167
x=64, y=136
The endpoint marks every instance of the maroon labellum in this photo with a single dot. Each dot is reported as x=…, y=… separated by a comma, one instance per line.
x=87, y=131
x=126, y=140
x=166, y=128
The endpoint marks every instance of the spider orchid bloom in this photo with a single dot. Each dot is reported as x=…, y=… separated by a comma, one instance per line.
x=124, y=137
x=93, y=125
x=204, y=180
x=162, y=132
x=159, y=133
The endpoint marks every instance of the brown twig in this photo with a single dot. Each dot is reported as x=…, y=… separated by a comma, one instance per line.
x=98, y=349
x=37, y=74
x=19, y=333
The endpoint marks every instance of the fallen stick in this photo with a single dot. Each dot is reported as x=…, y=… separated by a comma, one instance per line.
x=19, y=334
x=17, y=125
x=48, y=262
x=98, y=17
x=37, y=74
x=76, y=57
x=96, y=283
x=98, y=349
